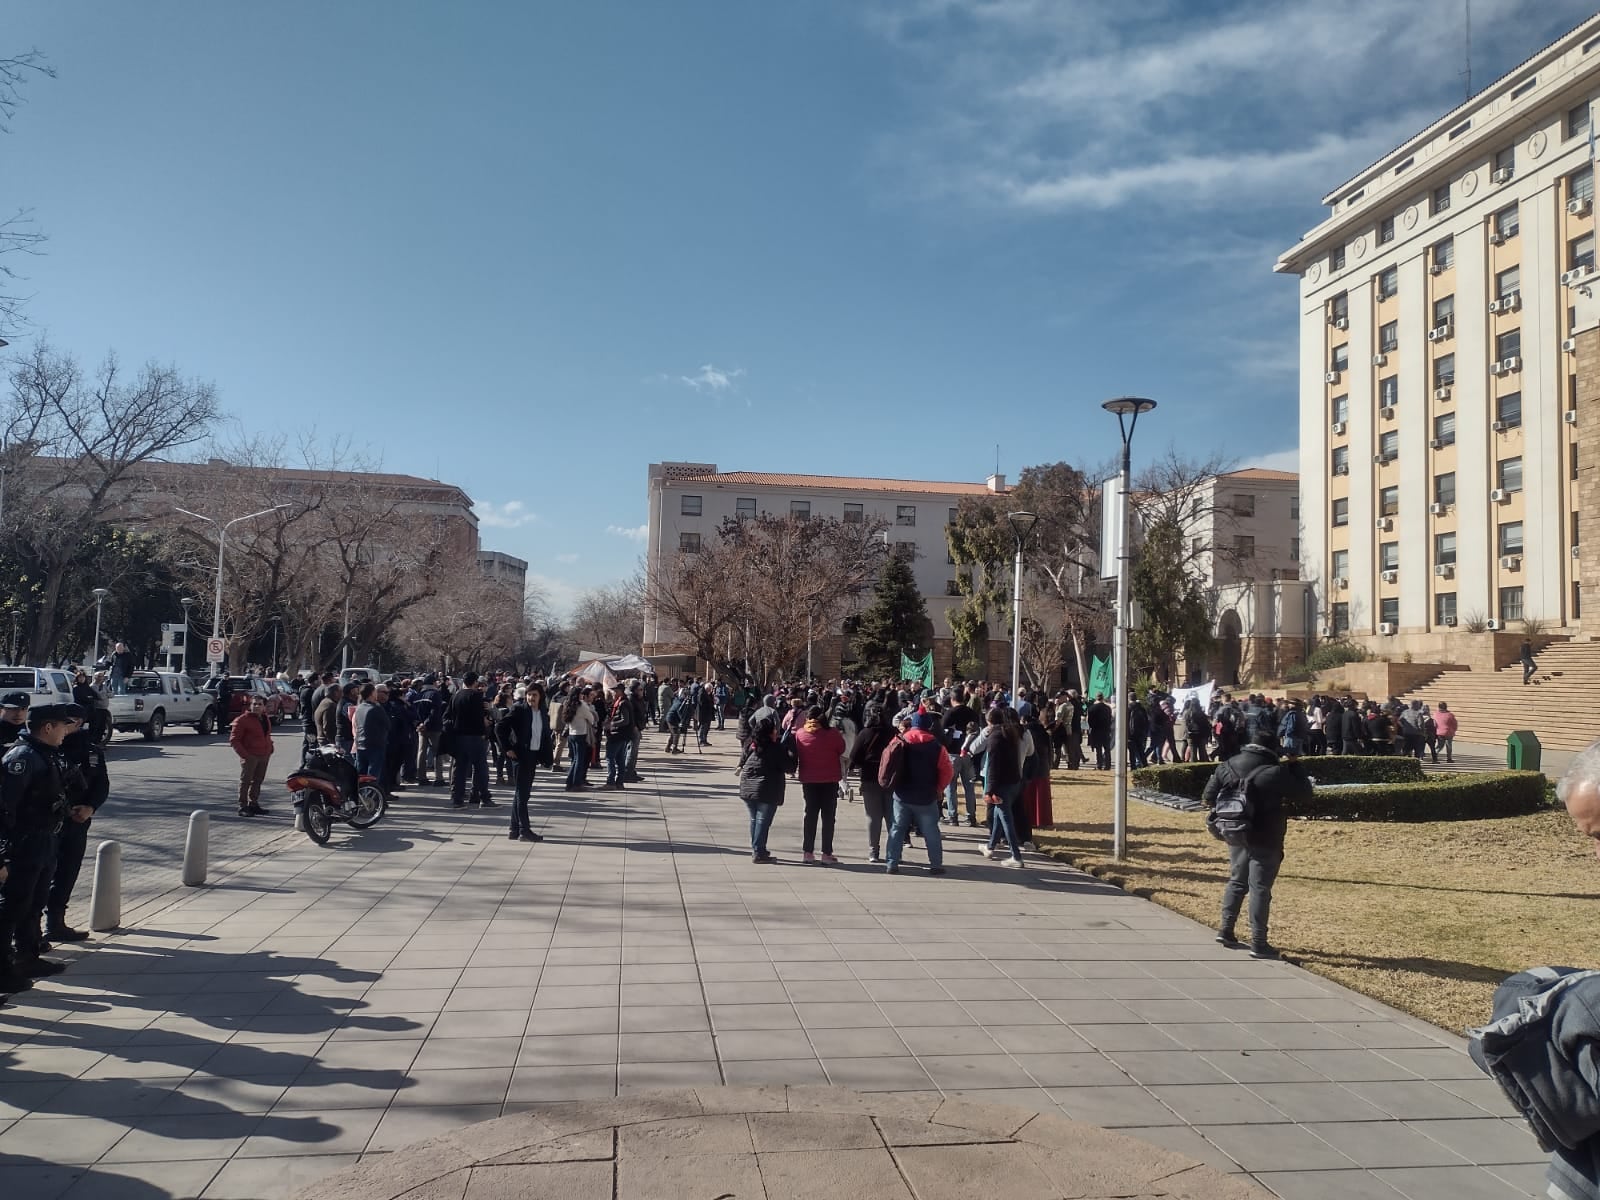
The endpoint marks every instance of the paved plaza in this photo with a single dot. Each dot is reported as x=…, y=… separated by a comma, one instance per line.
x=316, y=1007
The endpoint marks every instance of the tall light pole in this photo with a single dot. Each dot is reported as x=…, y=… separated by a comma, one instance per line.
x=100, y=595
x=1127, y=410
x=1022, y=524
x=275, y=618
x=188, y=602
x=222, y=545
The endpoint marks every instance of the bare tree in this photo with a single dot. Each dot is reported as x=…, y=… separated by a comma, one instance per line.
x=17, y=235
x=609, y=618
x=76, y=445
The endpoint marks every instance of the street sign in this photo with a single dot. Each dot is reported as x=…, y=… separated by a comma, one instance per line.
x=216, y=650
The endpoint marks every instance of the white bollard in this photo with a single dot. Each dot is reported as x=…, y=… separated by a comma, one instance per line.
x=299, y=820
x=105, y=902
x=194, y=848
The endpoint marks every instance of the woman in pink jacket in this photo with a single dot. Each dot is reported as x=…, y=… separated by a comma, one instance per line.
x=821, y=750
x=1444, y=732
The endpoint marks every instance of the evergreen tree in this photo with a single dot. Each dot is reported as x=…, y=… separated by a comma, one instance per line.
x=895, y=621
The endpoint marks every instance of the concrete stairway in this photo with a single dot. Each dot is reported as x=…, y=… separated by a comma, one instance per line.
x=1561, y=704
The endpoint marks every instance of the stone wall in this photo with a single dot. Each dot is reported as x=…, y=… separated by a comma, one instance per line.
x=1381, y=679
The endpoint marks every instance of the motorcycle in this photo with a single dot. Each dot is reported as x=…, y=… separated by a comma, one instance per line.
x=327, y=788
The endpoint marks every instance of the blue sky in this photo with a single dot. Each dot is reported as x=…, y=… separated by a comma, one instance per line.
x=530, y=248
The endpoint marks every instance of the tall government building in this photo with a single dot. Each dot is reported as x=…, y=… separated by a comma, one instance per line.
x=1450, y=370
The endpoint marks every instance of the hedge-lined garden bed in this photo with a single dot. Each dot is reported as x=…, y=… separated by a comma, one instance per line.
x=1190, y=779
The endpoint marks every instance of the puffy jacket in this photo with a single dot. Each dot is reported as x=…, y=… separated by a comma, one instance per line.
x=762, y=767
x=821, y=754
x=250, y=736
x=1445, y=724
x=924, y=766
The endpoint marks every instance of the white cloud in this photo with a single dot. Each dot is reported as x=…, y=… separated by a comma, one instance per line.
x=510, y=515
x=634, y=533
x=1276, y=460
x=559, y=594
x=711, y=378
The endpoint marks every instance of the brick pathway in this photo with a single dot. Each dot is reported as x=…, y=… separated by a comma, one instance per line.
x=330, y=1003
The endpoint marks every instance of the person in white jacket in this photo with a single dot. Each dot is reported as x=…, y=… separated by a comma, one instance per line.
x=578, y=716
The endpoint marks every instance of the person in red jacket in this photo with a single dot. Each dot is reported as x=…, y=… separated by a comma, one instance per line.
x=821, y=751
x=251, y=739
x=916, y=769
x=1445, y=726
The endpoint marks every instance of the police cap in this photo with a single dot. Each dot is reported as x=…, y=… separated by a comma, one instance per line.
x=14, y=700
x=43, y=714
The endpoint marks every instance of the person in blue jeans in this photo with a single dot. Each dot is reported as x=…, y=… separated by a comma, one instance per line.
x=766, y=759
x=916, y=769
x=963, y=772
x=579, y=718
x=1005, y=746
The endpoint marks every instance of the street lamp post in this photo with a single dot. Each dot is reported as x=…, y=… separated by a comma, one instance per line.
x=222, y=545
x=275, y=619
x=100, y=595
x=1022, y=524
x=1127, y=410
x=188, y=602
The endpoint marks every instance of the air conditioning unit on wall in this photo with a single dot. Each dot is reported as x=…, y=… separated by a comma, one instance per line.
x=1386, y=629
x=1493, y=625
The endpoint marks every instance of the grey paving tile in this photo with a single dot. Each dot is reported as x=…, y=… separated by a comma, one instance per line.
x=857, y=1043
x=563, y=1021
x=1166, y=1066
x=1262, y=1148
x=792, y=1072
x=554, y=1084
x=457, y=1085
x=1125, y=1038
x=1216, y=1104
x=1352, y=1066
x=118, y=1181
x=634, y=1076
x=952, y=1072
x=63, y=1140
x=1182, y=1139
x=1484, y=1141
x=1113, y=1107
x=447, y=1053
x=402, y=1127
x=1328, y=1185
x=1375, y=1144
x=1317, y=1102
x=1415, y=1100
x=345, y=1131
x=878, y=1074
x=1461, y=1183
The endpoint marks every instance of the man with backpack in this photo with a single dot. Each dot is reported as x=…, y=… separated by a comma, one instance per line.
x=1245, y=799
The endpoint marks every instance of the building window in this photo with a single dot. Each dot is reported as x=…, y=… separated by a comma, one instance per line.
x=954, y=514
x=1388, y=501
x=1244, y=504
x=1294, y=549
x=1444, y=429
x=1341, y=358
x=1341, y=408
x=745, y=507
x=1580, y=252
x=1507, y=282
x=1339, y=618
x=1389, y=444
x=1572, y=461
x=1510, y=604
x=1336, y=259
x=1339, y=307
x=1389, y=610
x=1508, y=345
x=1444, y=549
x=1244, y=546
x=853, y=514
x=1444, y=370
x=1578, y=120
x=1389, y=336
x=1389, y=391
x=1444, y=488
x=905, y=514
x=1385, y=231
x=1388, y=282
x=1511, y=537
x=1444, y=253
x=1441, y=200
x=904, y=551
x=1580, y=184
x=952, y=587
x=1506, y=160
x=1389, y=556
x=1341, y=512
x=689, y=506
x=689, y=543
x=1341, y=460
x=1508, y=410
x=1294, y=507
x=1506, y=223
x=1510, y=474
x=1444, y=310
x=1341, y=564
x=800, y=510
x=1444, y=608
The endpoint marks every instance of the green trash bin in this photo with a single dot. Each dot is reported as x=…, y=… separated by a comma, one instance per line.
x=1522, y=751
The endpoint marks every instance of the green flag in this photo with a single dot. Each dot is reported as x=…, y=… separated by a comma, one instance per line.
x=1100, y=679
x=920, y=669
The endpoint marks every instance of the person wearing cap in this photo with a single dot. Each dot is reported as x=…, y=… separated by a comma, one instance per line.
x=33, y=804
x=13, y=716
x=88, y=785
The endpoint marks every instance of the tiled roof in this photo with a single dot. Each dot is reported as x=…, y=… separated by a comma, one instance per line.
x=1263, y=474
x=843, y=483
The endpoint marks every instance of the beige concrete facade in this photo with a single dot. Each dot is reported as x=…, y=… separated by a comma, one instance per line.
x=1442, y=369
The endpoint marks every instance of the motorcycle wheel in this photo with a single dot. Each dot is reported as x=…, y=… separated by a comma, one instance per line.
x=319, y=820
x=369, y=807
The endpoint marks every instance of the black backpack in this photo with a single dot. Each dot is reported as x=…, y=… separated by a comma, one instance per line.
x=1233, y=815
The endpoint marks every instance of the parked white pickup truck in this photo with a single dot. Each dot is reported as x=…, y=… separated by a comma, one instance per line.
x=157, y=699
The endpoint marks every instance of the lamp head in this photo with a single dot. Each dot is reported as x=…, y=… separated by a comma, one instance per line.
x=101, y=593
x=1022, y=523
x=188, y=602
x=1125, y=406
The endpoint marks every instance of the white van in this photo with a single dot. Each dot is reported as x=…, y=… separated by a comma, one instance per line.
x=44, y=685
x=360, y=675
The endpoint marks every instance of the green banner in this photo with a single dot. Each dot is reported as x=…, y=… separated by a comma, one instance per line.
x=1100, y=679
x=920, y=669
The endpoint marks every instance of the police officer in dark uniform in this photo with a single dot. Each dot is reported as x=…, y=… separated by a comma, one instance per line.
x=13, y=717
x=33, y=805
x=88, y=785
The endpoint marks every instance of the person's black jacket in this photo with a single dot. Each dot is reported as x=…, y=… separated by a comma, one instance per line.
x=867, y=751
x=85, y=777
x=1100, y=722
x=619, y=719
x=469, y=714
x=33, y=796
x=515, y=732
x=762, y=768
x=1352, y=729
x=1277, y=782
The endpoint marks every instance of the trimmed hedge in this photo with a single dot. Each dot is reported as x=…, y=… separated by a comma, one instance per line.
x=1190, y=779
x=1440, y=798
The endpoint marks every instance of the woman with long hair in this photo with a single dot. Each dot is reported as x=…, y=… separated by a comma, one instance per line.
x=1003, y=746
x=764, y=762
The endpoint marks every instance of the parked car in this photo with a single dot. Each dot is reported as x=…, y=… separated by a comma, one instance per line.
x=360, y=675
x=44, y=685
x=157, y=699
x=241, y=689
x=289, y=707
